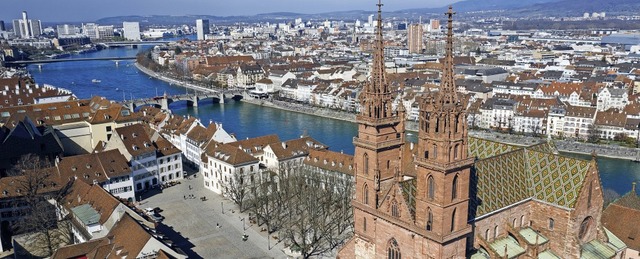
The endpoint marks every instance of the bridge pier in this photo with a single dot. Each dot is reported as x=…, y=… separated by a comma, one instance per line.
x=164, y=104
x=117, y=62
x=194, y=101
x=39, y=67
x=221, y=96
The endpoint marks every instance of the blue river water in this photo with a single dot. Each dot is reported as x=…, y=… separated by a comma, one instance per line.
x=245, y=120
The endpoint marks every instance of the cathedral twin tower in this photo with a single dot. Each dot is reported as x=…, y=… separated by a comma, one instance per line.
x=410, y=202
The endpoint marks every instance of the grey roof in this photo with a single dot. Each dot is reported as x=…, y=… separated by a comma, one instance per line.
x=86, y=214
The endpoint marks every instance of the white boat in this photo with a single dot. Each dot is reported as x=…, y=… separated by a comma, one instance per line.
x=95, y=81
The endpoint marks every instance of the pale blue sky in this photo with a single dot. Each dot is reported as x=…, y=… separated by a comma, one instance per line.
x=89, y=10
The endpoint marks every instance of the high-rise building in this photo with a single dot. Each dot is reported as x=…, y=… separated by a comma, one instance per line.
x=105, y=32
x=90, y=30
x=67, y=30
x=131, y=30
x=434, y=25
x=202, y=28
x=2, y=28
x=414, y=38
x=25, y=28
x=456, y=196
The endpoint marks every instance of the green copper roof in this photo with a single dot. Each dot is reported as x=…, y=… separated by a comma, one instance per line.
x=86, y=214
x=548, y=255
x=596, y=250
x=614, y=240
x=508, y=245
x=531, y=236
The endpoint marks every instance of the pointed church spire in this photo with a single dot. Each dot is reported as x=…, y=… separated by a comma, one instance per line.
x=378, y=78
x=376, y=98
x=448, y=92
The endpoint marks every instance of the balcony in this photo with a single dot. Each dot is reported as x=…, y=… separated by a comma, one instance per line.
x=444, y=167
x=376, y=145
x=377, y=122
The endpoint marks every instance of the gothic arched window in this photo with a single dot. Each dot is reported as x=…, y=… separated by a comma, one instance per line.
x=393, y=251
x=584, y=227
x=365, y=194
x=431, y=188
x=394, y=209
x=429, y=219
x=454, y=188
x=365, y=163
x=453, y=220
x=589, y=197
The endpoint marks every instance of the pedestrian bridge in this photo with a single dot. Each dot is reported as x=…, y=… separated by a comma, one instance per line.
x=192, y=100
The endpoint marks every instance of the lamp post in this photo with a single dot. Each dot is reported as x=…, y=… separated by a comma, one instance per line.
x=243, y=224
x=222, y=206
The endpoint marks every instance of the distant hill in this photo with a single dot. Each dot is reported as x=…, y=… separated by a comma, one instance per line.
x=485, y=5
x=513, y=8
x=579, y=7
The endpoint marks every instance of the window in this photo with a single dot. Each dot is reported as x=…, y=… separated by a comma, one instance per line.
x=431, y=188
x=393, y=250
x=454, y=188
x=364, y=224
x=453, y=220
x=429, y=219
x=365, y=164
x=486, y=235
x=584, y=227
x=435, y=151
x=522, y=221
x=455, y=151
x=551, y=223
x=394, y=209
x=495, y=232
x=365, y=195
x=589, y=197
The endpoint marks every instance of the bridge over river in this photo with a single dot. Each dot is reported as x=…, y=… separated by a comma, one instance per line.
x=40, y=62
x=163, y=102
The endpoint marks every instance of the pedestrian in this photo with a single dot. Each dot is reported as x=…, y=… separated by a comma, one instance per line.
x=184, y=197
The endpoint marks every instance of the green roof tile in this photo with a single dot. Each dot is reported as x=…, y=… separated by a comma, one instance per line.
x=86, y=214
x=597, y=250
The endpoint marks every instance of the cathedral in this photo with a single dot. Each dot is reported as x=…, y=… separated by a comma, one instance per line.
x=455, y=196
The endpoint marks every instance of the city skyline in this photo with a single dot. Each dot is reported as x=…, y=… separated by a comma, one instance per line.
x=60, y=11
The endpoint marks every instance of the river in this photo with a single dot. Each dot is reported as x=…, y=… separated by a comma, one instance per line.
x=243, y=119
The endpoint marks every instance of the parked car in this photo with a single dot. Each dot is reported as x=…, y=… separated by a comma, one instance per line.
x=155, y=217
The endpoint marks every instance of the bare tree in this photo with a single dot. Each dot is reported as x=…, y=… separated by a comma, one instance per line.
x=33, y=178
x=318, y=210
x=593, y=134
x=237, y=189
x=608, y=196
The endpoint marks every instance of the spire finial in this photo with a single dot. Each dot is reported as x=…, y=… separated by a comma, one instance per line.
x=448, y=92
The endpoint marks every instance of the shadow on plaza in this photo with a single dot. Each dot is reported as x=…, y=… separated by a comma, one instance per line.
x=178, y=240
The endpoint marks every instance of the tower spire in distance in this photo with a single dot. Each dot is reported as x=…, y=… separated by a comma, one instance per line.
x=377, y=97
x=448, y=92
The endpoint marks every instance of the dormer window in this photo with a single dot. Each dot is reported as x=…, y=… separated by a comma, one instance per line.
x=5, y=193
x=88, y=166
x=86, y=176
x=74, y=168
